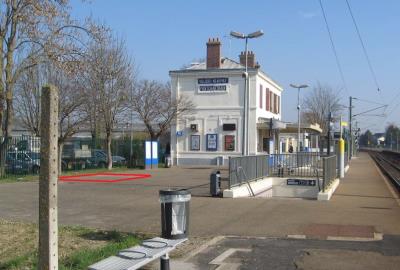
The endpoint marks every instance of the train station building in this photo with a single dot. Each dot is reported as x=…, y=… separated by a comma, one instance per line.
x=223, y=124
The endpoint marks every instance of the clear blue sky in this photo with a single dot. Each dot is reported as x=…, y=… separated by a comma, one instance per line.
x=164, y=35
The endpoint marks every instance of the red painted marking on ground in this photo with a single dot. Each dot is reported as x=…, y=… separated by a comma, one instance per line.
x=118, y=178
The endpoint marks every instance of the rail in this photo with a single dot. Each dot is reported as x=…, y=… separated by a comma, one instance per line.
x=249, y=168
x=329, y=171
x=389, y=163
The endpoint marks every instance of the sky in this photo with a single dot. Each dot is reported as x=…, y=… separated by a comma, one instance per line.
x=165, y=35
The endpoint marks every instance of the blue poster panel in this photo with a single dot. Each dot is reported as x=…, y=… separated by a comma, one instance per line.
x=212, y=142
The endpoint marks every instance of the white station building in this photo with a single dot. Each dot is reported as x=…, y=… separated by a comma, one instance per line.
x=222, y=125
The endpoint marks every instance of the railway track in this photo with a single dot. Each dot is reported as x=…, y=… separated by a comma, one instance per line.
x=389, y=163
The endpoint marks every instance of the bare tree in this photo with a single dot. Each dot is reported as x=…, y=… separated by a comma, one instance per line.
x=33, y=31
x=27, y=100
x=72, y=100
x=110, y=75
x=319, y=102
x=153, y=104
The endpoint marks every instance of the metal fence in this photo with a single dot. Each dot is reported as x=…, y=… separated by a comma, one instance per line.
x=249, y=168
x=329, y=171
x=21, y=155
x=303, y=164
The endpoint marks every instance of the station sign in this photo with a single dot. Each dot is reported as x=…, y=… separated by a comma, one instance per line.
x=301, y=182
x=213, y=85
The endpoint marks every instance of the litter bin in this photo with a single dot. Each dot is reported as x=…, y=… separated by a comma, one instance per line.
x=174, y=213
x=167, y=162
x=215, y=183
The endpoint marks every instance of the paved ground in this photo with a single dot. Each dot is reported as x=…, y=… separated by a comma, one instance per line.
x=271, y=253
x=362, y=206
x=362, y=199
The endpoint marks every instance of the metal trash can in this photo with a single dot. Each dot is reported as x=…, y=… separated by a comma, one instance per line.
x=175, y=205
x=167, y=162
x=215, y=183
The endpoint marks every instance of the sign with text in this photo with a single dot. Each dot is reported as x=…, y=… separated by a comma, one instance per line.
x=212, y=142
x=213, y=85
x=301, y=182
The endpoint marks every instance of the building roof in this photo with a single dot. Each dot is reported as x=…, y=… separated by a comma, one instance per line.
x=226, y=64
x=293, y=127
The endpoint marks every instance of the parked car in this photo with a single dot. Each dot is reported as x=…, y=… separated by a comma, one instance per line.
x=99, y=159
x=75, y=155
x=23, y=162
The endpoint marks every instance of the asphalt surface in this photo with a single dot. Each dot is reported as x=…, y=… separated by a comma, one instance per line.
x=363, y=200
x=273, y=253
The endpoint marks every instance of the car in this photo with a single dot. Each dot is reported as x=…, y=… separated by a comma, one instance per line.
x=21, y=162
x=99, y=159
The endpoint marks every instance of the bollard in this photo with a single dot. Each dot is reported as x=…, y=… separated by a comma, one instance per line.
x=341, y=158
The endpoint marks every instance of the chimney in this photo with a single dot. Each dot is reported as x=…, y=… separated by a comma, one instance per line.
x=213, y=53
x=251, y=59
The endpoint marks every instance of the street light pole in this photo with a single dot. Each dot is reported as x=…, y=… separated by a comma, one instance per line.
x=246, y=99
x=298, y=111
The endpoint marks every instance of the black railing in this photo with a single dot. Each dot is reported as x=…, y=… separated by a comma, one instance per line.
x=329, y=171
x=249, y=168
x=303, y=164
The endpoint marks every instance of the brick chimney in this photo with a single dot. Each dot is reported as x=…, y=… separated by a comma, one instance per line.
x=213, y=53
x=251, y=59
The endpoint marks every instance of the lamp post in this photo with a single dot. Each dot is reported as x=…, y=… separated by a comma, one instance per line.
x=245, y=141
x=298, y=111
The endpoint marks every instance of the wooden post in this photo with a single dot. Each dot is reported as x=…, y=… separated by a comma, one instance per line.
x=48, y=219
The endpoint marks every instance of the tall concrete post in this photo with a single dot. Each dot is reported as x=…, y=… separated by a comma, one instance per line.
x=48, y=217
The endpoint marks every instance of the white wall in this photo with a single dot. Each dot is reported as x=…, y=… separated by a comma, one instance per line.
x=215, y=109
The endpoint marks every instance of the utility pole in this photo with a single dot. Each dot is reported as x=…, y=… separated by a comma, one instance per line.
x=391, y=140
x=329, y=133
x=350, y=128
x=246, y=99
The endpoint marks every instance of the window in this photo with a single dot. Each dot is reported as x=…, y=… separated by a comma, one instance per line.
x=261, y=96
x=229, y=143
x=267, y=107
x=275, y=103
x=271, y=102
x=279, y=104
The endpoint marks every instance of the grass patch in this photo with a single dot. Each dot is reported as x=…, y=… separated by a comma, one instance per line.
x=82, y=259
x=79, y=247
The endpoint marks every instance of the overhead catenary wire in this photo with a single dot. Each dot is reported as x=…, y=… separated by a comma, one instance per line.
x=392, y=110
x=364, y=48
x=369, y=101
x=334, y=48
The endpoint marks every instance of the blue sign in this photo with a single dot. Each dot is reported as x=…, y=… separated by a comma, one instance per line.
x=179, y=133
